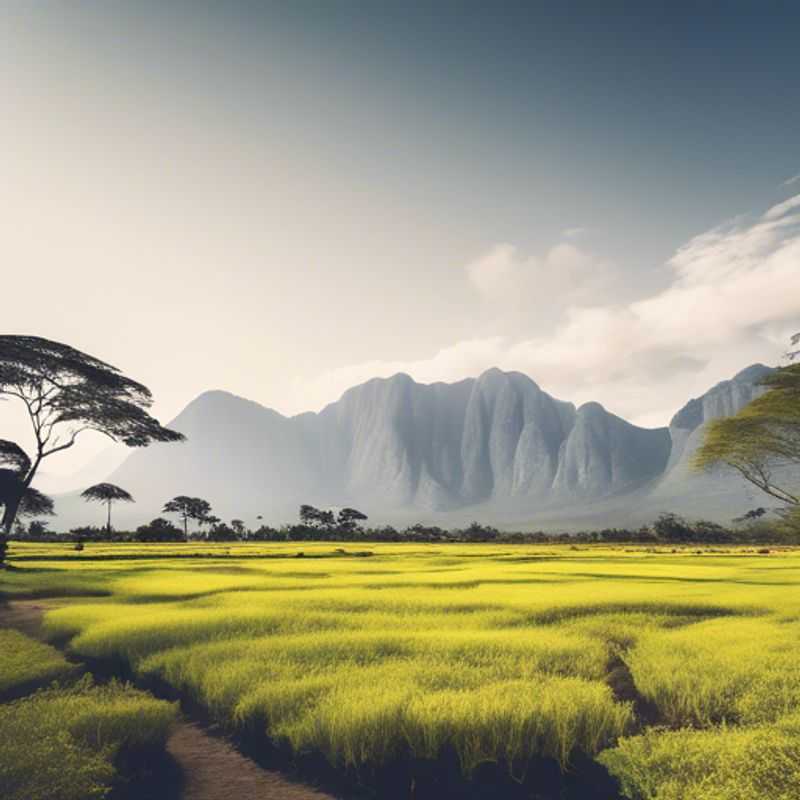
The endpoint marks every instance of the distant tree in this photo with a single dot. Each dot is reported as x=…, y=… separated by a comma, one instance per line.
x=109, y=494
x=159, y=530
x=706, y=531
x=220, y=532
x=187, y=508
x=673, y=528
x=762, y=438
x=66, y=392
x=309, y=515
x=37, y=527
x=350, y=519
x=238, y=527
x=326, y=520
x=479, y=533
x=316, y=518
x=210, y=520
x=749, y=516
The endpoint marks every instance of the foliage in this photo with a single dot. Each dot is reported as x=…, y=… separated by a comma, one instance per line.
x=490, y=651
x=106, y=493
x=26, y=664
x=159, y=530
x=194, y=508
x=350, y=519
x=762, y=438
x=315, y=518
x=35, y=504
x=722, y=670
x=60, y=744
x=66, y=392
x=718, y=764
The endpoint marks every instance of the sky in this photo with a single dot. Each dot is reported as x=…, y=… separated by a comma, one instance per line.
x=286, y=199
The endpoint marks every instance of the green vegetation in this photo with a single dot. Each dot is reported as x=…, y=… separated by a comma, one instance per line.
x=761, y=761
x=26, y=664
x=675, y=667
x=62, y=744
x=763, y=437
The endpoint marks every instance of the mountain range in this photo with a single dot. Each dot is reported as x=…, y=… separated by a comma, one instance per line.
x=496, y=448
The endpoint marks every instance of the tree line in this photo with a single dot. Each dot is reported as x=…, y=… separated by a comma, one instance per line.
x=315, y=525
x=66, y=392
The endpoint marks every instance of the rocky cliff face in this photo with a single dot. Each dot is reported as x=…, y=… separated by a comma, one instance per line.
x=719, y=494
x=394, y=444
x=496, y=448
x=687, y=427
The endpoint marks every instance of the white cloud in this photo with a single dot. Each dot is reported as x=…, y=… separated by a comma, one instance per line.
x=733, y=299
x=564, y=275
x=495, y=269
x=790, y=181
x=574, y=233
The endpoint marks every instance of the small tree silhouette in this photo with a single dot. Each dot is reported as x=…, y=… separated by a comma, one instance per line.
x=109, y=494
x=188, y=508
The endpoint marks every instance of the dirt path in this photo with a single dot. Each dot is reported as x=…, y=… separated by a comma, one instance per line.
x=206, y=767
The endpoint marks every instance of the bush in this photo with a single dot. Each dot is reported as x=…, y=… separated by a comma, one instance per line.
x=159, y=530
x=61, y=744
x=719, y=764
x=26, y=664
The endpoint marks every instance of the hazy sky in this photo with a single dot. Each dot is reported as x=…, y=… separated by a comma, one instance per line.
x=283, y=199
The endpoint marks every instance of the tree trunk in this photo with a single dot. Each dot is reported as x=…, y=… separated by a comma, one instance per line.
x=108, y=523
x=10, y=512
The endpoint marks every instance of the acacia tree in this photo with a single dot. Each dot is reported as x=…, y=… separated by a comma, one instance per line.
x=109, y=494
x=762, y=439
x=14, y=464
x=188, y=508
x=67, y=392
x=349, y=519
x=35, y=504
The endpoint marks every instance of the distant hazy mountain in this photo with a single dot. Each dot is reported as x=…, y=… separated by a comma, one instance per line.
x=496, y=448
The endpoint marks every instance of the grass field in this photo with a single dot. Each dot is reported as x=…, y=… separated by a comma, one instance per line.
x=66, y=743
x=677, y=670
x=26, y=664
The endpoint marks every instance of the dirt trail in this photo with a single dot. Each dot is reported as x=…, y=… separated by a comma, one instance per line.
x=206, y=767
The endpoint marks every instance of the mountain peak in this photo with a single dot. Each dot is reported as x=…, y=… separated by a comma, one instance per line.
x=496, y=444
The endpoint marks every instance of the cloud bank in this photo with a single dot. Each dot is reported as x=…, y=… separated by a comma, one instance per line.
x=733, y=298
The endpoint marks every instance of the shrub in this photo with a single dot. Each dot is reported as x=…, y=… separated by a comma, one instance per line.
x=61, y=744
x=26, y=664
x=719, y=764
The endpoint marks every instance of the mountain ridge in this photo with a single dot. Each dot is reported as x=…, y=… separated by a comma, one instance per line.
x=495, y=447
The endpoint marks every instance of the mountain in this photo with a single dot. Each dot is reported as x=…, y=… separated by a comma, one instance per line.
x=497, y=448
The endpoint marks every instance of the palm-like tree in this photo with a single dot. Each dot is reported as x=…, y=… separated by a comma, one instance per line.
x=109, y=494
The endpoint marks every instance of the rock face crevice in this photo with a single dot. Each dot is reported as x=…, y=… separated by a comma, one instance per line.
x=485, y=444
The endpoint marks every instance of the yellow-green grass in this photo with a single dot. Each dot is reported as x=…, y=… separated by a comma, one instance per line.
x=61, y=744
x=26, y=664
x=725, y=763
x=499, y=652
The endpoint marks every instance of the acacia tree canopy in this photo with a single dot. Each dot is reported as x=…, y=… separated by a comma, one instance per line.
x=106, y=493
x=65, y=393
x=188, y=508
x=762, y=438
x=350, y=518
x=35, y=504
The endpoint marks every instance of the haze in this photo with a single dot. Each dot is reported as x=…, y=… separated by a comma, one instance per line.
x=283, y=200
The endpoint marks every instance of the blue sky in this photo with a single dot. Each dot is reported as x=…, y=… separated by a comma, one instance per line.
x=280, y=199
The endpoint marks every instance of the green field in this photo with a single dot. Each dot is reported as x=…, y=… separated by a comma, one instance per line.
x=679, y=671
